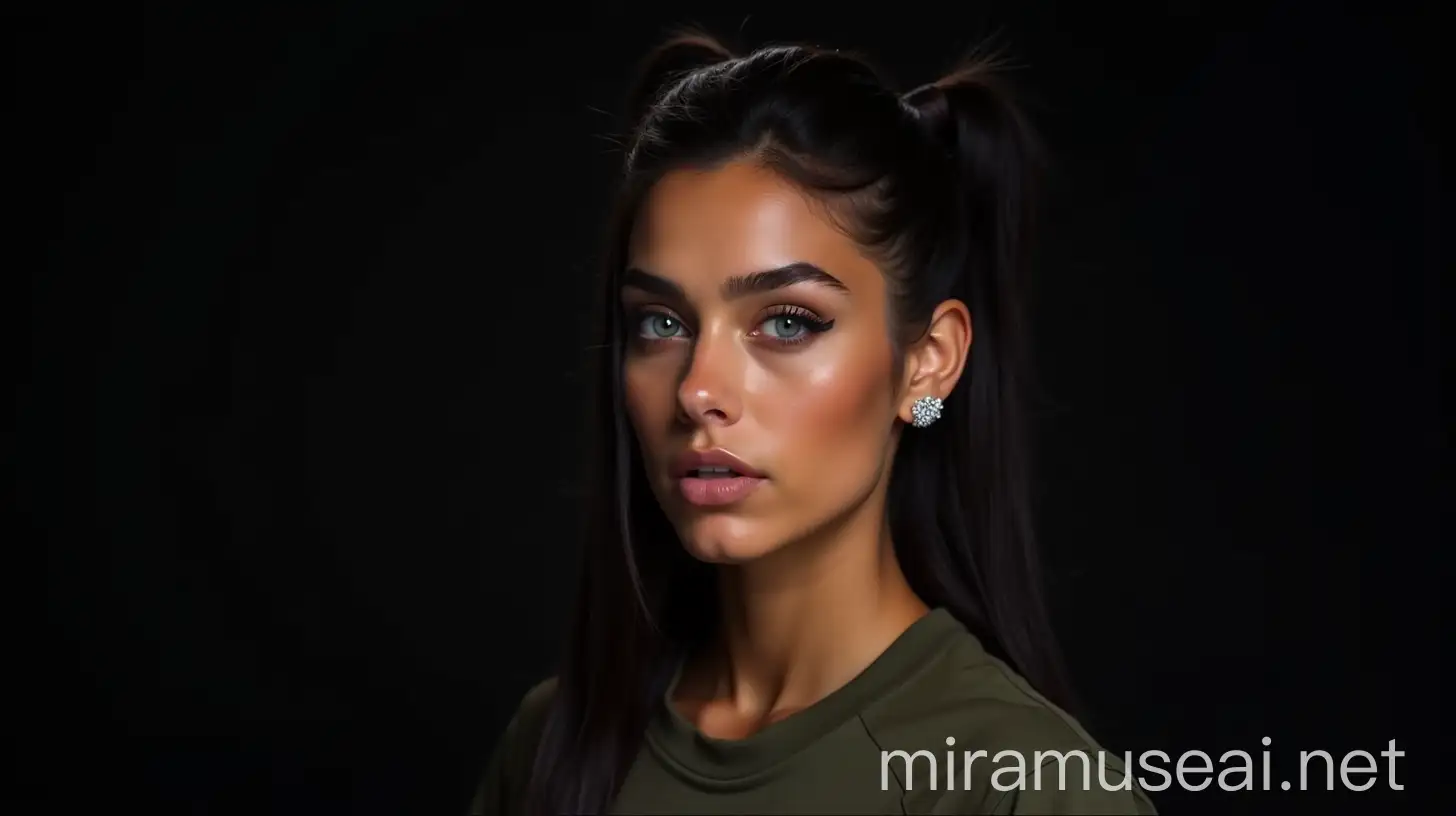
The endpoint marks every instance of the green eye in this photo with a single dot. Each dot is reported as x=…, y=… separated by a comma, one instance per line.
x=792, y=325
x=658, y=326
x=786, y=327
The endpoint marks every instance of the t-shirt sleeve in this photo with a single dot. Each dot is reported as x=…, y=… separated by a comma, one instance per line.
x=502, y=789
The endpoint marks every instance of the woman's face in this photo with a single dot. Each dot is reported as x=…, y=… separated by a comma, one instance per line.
x=757, y=342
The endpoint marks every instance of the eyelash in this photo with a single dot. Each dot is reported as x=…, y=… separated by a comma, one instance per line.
x=813, y=324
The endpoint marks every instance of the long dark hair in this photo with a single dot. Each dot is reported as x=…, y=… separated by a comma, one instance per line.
x=936, y=183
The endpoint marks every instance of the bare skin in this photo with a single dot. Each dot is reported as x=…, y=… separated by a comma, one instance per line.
x=799, y=383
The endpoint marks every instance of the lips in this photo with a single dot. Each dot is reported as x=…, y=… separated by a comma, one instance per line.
x=713, y=464
x=715, y=478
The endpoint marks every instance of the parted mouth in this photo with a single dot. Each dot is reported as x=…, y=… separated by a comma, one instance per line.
x=713, y=464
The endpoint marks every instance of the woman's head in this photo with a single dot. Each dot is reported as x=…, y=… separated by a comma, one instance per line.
x=761, y=332
x=800, y=252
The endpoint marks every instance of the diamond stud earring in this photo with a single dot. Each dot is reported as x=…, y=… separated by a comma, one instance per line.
x=925, y=411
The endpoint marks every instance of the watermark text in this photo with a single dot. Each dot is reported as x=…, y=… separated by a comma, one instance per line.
x=1154, y=770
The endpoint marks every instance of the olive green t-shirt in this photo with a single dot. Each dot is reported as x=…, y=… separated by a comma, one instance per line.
x=935, y=725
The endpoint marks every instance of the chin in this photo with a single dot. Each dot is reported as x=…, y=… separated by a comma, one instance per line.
x=722, y=539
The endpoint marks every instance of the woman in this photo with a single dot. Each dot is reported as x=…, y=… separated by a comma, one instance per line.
x=811, y=558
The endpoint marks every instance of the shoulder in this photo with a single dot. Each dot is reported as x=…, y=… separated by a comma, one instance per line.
x=536, y=701
x=529, y=719
x=503, y=786
x=994, y=744
x=968, y=696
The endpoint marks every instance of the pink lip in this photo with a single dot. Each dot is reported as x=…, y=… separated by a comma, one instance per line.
x=715, y=491
x=690, y=461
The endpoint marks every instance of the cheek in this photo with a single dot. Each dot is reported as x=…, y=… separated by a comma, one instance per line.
x=649, y=392
x=829, y=417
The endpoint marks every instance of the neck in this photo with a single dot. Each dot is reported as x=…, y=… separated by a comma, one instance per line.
x=802, y=622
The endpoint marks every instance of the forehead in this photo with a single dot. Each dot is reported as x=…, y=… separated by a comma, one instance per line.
x=738, y=217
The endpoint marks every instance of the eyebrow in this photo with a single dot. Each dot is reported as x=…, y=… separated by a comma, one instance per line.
x=739, y=286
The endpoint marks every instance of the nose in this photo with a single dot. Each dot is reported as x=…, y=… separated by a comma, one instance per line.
x=709, y=394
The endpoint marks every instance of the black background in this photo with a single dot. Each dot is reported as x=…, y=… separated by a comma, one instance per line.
x=299, y=424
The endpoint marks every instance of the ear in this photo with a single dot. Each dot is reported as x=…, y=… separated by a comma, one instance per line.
x=934, y=362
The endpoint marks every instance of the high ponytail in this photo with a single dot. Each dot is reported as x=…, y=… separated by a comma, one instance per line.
x=999, y=160
x=684, y=51
x=991, y=576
